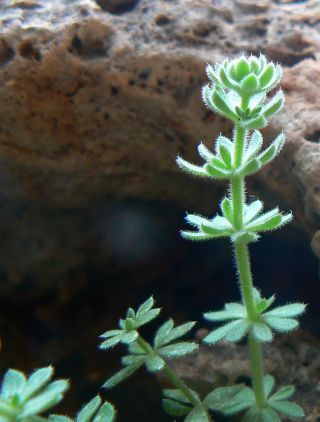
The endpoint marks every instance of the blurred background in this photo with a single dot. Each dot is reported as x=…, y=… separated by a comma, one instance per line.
x=97, y=99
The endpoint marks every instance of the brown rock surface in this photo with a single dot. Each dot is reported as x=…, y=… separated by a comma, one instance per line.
x=99, y=97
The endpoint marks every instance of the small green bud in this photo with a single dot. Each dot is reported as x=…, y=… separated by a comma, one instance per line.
x=131, y=313
x=242, y=68
x=254, y=65
x=130, y=324
x=249, y=84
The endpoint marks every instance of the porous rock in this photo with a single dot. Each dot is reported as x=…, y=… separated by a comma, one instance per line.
x=98, y=97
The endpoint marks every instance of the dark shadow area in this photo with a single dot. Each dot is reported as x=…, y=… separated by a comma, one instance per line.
x=142, y=255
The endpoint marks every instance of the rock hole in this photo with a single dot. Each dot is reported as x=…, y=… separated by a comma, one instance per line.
x=76, y=43
x=114, y=90
x=28, y=51
x=162, y=20
x=314, y=136
x=90, y=48
x=144, y=74
x=117, y=7
x=6, y=53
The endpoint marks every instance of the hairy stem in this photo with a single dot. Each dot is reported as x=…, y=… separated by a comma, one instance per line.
x=173, y=377
x=243, y=265
x=242, y=258
x=176, y=381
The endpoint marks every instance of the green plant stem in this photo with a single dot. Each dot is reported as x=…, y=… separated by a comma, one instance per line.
x=172, y=376
x=242, y=258
x=176, y=381
x=243, y=265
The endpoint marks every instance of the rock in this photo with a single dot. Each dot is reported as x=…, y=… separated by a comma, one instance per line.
x=98, y=97
x=291, y=359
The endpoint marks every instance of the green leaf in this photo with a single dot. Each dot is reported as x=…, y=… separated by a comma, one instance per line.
x=268, y=382
x=221, y=106
x=177, y=395
x=264, y=304
x=221, y=332
x=288, y=408
x=205, y=153
x=52, y=395
x=122, y=375
x=258, y=122
x=250, y=83
x=249, y=168
x=226, y=155
x=131, y=314
x=110, y=342
x=154, y=363
x=254, y=65
x=215, y=172
x=127, y=338
x=226, y=208
x=59, y=418
x=177, y=349
x=191, y=168
x=222, y=397
x=217, y=226
x=237, y=402
x=261, y=332
x=274, y=105
x=211, y=73
x=133, y=359
x=266, y=76
x=196, y=220
x=266, y=221
x=270, y=224
x=226, y=81
x=147, y=316
x=257, y=415
x=273, y=150
x=283, y=393
x=244, y=237
x=231, y=311
x=283, y=325
x=36, y=381
x=146, y=306
x=111, y=333
x=223, y=141
x=195, y=236
x=136, y=349
x=238, y=333
x=106, y=413
x=254, y=146
x=88, y=411
x=257, y=100
x=242, y=68
x=175, y=408
x=197, y=414
x=291, y=310
x=174, y=333
x=162, y=333
x=13, y=384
